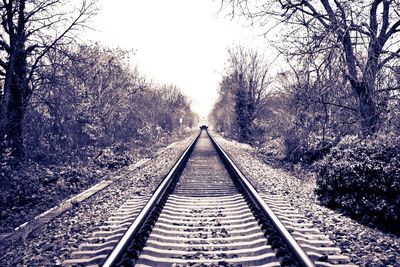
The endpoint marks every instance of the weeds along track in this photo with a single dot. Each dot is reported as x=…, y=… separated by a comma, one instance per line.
x=206, y=213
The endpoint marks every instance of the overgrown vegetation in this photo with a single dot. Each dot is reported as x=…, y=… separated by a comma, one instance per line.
x=91, y=110
x=91, y=99
x=242, y=91
x=362, y=178
x=335, y=110
x=72, y=112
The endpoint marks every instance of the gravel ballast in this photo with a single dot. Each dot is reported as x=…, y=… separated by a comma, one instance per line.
x=364, y=245
x=55, y=241
x=50, y=244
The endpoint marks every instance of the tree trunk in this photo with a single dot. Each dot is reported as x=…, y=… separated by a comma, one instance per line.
x=14, y=137
x=15, y=109
x=16, y=84
x=368, y=115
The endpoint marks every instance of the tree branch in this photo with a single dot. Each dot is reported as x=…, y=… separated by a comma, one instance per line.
x=84, y=9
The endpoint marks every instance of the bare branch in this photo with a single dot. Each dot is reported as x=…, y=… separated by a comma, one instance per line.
x=85, y=9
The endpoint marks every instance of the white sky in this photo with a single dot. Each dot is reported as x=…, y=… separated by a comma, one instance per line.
x=181, y=42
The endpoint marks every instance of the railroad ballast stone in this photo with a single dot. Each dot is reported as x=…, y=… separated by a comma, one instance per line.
x=192, y=227
x=215, y=224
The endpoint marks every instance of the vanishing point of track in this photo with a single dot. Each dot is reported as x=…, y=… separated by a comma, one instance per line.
x=206, y=213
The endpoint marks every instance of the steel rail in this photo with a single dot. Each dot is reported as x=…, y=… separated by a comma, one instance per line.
x=115, y=256
x=296, y=250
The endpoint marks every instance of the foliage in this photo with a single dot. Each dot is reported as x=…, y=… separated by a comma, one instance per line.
x=360, y=35
x=362, y=177
x=34, y=187
x=306, y=150
x=272, y=150
x=90, y=113
x=110, y=158
x=242, y=91
x=342, y=80
x=29, y=30
x=310, y=113
x=90, y=99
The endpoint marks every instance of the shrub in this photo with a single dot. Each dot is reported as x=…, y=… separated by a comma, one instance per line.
x=306, y=147
x=112, y=159
x=362, y=178
x=273, y=150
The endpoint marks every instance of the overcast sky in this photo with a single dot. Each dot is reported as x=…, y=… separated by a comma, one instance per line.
x=181, y=42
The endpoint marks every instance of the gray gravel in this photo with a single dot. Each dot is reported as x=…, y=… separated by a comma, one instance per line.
x=365, y=246
x=55, y=241
x=51, y=244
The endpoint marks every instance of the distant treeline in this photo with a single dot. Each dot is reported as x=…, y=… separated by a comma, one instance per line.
x=89, y=97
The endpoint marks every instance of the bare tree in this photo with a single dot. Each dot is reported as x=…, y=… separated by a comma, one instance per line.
x=90, y=99
x=244, y=84
x=29, y=30
x=223, y=114
x=365, y=33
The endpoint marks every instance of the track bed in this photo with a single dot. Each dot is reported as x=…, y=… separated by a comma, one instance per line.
x=206, y=219
x=206, y=213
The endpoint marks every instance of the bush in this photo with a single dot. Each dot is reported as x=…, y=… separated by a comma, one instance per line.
x=306, y=148
x=362, y=178
x=112, y=159
x=273, y=150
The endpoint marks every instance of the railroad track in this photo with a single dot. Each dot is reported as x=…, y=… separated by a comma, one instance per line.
x=206, y=213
